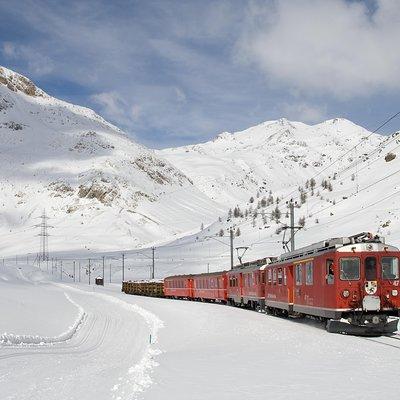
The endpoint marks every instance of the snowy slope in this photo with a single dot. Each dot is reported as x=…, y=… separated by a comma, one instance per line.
x=99, y=188
x=274, y=155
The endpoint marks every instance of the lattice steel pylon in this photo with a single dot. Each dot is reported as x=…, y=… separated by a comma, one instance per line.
x=44, y=237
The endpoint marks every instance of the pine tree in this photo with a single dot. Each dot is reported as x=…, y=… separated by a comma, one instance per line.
x=303, y=197
x=251, y=199
x=237, y=233
x=276, y=214
x=302, y=221
x=202, y=227
x=263, y=202
x=221, y=232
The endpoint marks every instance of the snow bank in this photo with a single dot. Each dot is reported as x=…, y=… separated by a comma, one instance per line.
x=14, y=339
x=138, y=376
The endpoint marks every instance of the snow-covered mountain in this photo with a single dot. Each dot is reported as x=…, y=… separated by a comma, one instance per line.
x=104, y=192
x=99, y=188
x=343, y=178
x=274, y=155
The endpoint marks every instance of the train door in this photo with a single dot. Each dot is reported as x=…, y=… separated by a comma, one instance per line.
x=328, y=279
x=298, y=297
x=288, y=282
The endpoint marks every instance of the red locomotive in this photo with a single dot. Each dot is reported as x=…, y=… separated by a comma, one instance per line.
x=351, y=282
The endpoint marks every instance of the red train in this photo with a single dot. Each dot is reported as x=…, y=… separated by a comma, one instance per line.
x=351, y=282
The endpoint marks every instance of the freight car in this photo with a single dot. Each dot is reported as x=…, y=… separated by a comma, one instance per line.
x=144, y=288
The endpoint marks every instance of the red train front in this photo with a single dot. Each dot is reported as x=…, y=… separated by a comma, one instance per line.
x=352, y=282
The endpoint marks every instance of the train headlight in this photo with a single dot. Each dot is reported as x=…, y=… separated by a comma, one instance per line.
x=395, y=292
x=345, y=293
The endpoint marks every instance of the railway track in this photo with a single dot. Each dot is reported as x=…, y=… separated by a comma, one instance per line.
x=390, y=340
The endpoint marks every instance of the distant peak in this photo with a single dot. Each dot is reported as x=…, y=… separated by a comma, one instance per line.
x=222, y=135
x=19, y=83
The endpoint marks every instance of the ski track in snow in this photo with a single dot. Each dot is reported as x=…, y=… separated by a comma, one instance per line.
x=105, y=342
x=7, y=339
x=138, y=376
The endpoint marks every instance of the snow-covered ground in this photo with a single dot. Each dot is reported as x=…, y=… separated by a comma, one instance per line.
x=130, y=347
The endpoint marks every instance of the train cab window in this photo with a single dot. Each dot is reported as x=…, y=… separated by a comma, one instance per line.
x=299, y=273
x=330, y=276
x=262, y=277
x=370, y=269
x=284, y=276
x=350, y=269
x=390, y=268
x=309, y=273
x=280, y=276
x=269, y=275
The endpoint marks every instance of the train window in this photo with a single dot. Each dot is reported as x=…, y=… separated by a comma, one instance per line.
x=284, y=276
x=262, y=277
x=299, y=273
x=269, y=275
x=274, y=276
x=309, y=273
x=350, y=269
x=280, y=276
x=390, y=268
x=370, y=269
x=330, y=276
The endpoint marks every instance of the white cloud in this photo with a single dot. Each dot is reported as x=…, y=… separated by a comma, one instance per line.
x=38, y=63
x=304, y=112
x=325, y=46
x=113, y=106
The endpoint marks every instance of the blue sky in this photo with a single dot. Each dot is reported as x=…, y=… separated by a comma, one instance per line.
x=177, y=72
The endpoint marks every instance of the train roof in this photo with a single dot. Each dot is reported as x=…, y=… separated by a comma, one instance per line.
x=363, y=241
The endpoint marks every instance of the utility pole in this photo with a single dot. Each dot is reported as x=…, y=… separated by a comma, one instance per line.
x=231, y=240
x=123, y=267
x=152, y=267
x=89, y=271
x=103, y=270
x=293, y=228
x=291, y=211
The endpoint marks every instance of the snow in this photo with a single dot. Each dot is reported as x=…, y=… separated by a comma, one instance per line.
x=107, y=356
x=110, y=197
x=132, y=347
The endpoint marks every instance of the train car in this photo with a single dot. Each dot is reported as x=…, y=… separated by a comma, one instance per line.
x=151, y=288
x=352, y=282
x=246, y=284
x=180, y=286
x=210, y=286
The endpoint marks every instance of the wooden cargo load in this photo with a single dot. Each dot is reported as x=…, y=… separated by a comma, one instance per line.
x=150, y=288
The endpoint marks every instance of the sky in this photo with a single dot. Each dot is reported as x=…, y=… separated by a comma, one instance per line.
x=174, y=72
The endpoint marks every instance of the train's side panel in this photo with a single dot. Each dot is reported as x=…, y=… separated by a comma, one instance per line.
x=234, y=285
x=210, y=286
x=279, y=286
x=178, y=286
